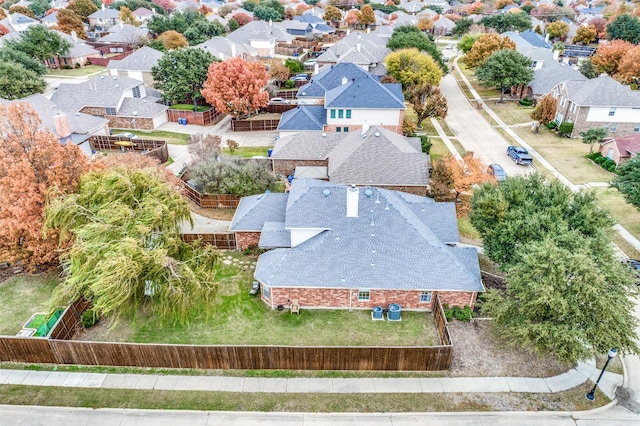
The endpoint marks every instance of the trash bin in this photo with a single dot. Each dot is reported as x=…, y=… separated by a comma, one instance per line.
x=377, y=313
x=394, y=312
x=269, y=152
x=180, y=121
x=184, y=121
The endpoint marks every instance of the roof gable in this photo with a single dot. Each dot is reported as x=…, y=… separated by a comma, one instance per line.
x=365, y=93
x=303, y=117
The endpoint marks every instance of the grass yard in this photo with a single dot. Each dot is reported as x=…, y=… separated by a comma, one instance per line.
x=22, y=296
x=511, y=112
x=626, y=214
x=438, y=149
x=566, y=155
x=248, y=151
x=189, y=107
x=171, y=137
x=239, y=319
x=76, y=72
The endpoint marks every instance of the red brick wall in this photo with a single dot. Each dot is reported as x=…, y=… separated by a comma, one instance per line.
x=287, y=167
x=245, y=239
x=338, y=298
x=128, y=122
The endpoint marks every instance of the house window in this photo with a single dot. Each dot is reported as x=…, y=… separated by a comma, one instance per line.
x=348, y=113
x=425, y=296
x=573, y=107
x=136, y=92
x=612, y=112
x=333, y=113
x=613, y=127
x=64, y=60
x=52, y=61
x=340, y=113
x=606, y=127
x=610, y=154
x=562, y=101
x=266, y=292
x=363, y=295
x=338, y=129
x=110, y=111
x=345, y=129
x=636, y=129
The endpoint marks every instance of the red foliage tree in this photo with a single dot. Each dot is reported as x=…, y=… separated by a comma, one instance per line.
x=107, y=2
x=4, y=30
x=236, y=87
x=34, y=163
x=601, y=26
x=167, y=5
x=242, y=18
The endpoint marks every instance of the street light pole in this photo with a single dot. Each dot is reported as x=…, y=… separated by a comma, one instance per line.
x=612, y=353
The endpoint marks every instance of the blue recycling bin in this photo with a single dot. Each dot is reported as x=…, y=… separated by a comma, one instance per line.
x=184, y=121
x=394, y=312
x=269, y=152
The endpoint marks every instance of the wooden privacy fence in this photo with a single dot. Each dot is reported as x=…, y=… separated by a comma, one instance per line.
x=441, y=324
x=153, y=148
x=279, y=108
x=70, y=321
x=198, y=118
x=254, y=125
x=40, y=350
x=222, y=240
x=286, y=94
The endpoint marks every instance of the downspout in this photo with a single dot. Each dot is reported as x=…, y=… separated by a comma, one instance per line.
x=350, y=299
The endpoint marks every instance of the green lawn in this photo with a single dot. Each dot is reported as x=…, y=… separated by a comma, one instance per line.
x=248, y=151
x=189, y=107
x=239, y=319
x=76, y=72
x=438, y=149
x=170, y=137
x=511, y=112
x=21, y=297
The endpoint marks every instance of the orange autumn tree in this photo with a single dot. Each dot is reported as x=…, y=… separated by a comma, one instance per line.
x=608, y=57
x=484, y=47
x=34, y=163
x=454, y=180
x=629, y=69
x=236, y=87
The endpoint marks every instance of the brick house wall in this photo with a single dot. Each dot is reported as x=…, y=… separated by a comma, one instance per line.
x=246, y=239
x=97, y=111
x=287, y=167
x=340, y=298
x=142, y=123
x=610, y=144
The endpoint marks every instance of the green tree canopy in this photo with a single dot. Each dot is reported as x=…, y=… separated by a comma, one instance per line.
x=180, y=74
x=39, y=7
x=266, y=13
x=559, y=300
x=410, y=67
x=40, y=43
x=625, y=27
x=136, y=4
x=190, y=23
x=127, y=248
x=16, y=82
x=8, y=54
x=409, y=36
x=525, y=209
x=507, y=22
x=628, y=181
x=504, y=69
x=227, y=176
x=466, y=42
x=593, y=136
x=462, y=26
x=587, y=69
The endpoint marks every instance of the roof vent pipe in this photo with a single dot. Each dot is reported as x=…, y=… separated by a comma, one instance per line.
x=353, y=195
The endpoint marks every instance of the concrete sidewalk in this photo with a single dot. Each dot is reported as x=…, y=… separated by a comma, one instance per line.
x=570, y=379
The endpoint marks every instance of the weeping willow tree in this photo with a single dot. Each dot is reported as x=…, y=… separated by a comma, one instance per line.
x=127, y=248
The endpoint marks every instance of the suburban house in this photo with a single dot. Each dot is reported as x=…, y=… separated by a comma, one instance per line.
x=143, y=14
x=548, y=77
x=598, y=102
x=223, y=48
x=104, y=18
x=367, y=50
x=125, y=34
x=80, y=53
x=345, y=98
x=137, y=65
x=443, y=26
x=318, y=25
x=261, y=36
x=375, y=157
x=121, y=100
x=340, y=247
x=74, y=128
x=621, y=149
x=17, y=22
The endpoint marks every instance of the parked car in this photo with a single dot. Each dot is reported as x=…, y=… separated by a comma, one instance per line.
x=310, y=63
x=127, y=135
x=279, y=101
x=300, y=77
x=635, y=265
x=450, y=46
x=520, y=155
x=497, y=172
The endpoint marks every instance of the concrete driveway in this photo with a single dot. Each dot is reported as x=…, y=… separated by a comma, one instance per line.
x=473, y=132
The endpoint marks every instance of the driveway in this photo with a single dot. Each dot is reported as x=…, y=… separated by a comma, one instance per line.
x=473, y=132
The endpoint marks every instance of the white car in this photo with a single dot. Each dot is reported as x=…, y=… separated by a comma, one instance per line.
x=127, y=135
x=279, y=101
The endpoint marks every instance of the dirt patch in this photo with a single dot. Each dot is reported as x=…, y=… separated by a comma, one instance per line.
x=478, y=352
x=219, y=214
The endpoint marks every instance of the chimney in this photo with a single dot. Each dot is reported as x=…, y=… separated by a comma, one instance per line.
x=74, y=36
x=121, y=25
x=61, y=125
x=270, y=23
x=348, y=31
x=344, y=80
x=233, y=50
x=546, y=38
x=365, y=129
x=353, y=194
x=358, y=46
x=316, y=68
x=102, y=6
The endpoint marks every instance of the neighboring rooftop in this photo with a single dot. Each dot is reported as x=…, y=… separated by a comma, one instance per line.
x=142, y=59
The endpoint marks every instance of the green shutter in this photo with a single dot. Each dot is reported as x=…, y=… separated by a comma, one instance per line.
x=348, y=113
x=340, y=113
x=333, y=113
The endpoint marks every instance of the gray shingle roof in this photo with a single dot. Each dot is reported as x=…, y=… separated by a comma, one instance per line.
x=255, y=210
x=274, y=235
x=548, y=77
x=602, y=91
x=365, y=93
x=371, y=44
x=307, y=146
x=329, y=77
x=304, y=117
x=97, y=92
x=259, y=30
x=387, y=246
x=224, y=48
x=142, y=59
x=105, y=13
x=143, y=108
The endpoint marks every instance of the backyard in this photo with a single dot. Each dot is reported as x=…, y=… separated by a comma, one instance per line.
x=238, y=319
x=169, y=137
x=76, y=72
